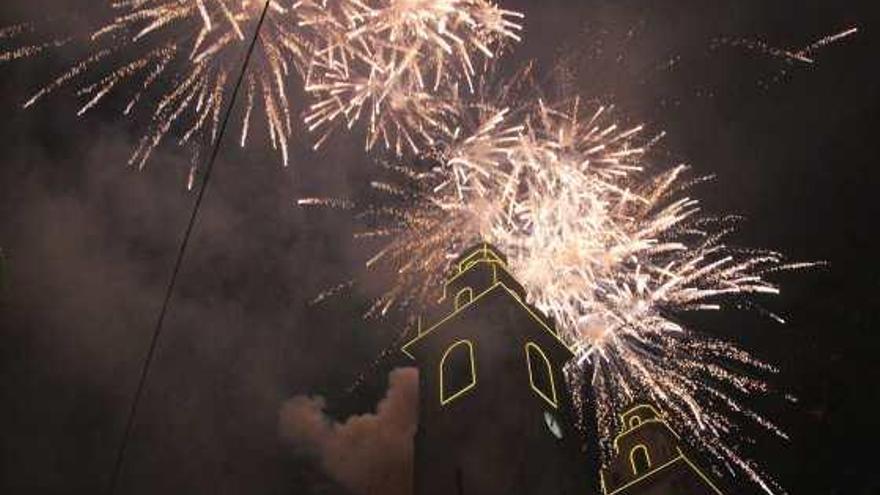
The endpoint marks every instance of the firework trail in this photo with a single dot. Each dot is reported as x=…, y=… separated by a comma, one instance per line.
x=606, y=242
x=176, y=61
x=803, y=55
x=385, y=61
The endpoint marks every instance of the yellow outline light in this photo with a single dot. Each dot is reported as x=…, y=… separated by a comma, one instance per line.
x=477, y=297
x=483, y=250
x=470, y=346
x=470, y=293
x=681, y=456
x=492, y=263
x=531, y=345
x=632, y=460
x=636, y=408
x=644, y=476
x=642, y=422
x=645, y=422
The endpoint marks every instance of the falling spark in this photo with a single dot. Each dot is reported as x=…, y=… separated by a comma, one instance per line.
x=175, y=60
x=337, y=203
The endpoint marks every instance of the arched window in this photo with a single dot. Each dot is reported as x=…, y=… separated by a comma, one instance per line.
x=463, y=297
x=635, y=421
x=639, y=459
x=458, y=372
x=541, y=373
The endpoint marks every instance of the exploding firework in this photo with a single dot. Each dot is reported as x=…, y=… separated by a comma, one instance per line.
x=605, y=242
x=389, y=62
x=177, y=60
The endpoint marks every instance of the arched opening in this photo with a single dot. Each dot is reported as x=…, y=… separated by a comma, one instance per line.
x=463, y=297
x=541, y=373
x=639, y=459
x=634, y=421
x=458, y=372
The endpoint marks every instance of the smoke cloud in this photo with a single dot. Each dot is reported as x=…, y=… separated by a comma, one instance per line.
x=369, y=453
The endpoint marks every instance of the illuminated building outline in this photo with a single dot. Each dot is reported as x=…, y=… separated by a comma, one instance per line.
x=679, y=459
x=467, y=291
x=632, y=459
x=548, y=368
x=471, y=441
x=649, y=460
x=497, y=264
x=473, y=383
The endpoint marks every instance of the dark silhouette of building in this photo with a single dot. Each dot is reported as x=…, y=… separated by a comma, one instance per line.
x=495, y=416
x=651, y=460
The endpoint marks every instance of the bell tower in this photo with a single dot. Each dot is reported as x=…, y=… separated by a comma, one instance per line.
x=495, y=416
x=651, y=459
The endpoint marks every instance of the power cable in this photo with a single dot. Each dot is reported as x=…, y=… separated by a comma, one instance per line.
x=151, y=351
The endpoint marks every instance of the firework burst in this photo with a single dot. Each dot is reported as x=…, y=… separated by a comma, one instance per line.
x=606, y=243
x=178, y=61
x=386, y=61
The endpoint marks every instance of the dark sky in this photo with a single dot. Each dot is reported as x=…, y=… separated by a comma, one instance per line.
x=91, y=242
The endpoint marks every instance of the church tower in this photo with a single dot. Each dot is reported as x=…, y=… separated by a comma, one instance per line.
x=650, y=460
x=495, y=416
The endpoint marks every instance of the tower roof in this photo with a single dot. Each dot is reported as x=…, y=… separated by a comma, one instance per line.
x=479, y=252
x=481, y=273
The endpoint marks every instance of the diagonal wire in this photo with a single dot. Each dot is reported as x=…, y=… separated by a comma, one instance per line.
x=151, y=351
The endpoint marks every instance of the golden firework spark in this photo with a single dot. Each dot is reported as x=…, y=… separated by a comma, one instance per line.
x=386, y=61
x=176, y=60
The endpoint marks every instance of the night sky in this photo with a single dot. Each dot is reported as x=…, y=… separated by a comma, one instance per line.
x=90, y=244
